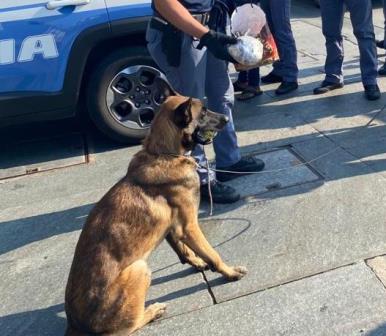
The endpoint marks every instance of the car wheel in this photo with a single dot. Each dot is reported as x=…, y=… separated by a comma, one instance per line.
x=123, y=94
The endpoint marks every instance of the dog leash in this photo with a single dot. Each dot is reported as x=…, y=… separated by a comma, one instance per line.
x=208, y=184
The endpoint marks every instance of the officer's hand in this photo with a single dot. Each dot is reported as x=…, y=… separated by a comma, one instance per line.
x=217, y=43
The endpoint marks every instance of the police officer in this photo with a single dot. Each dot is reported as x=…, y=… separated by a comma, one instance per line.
x=194, y=59
x=382, y=44
x=332, y=12
x=285, y=71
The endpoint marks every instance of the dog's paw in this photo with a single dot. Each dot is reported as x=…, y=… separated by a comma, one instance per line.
x=199, y=264
x=238, y=272
x=157, y=310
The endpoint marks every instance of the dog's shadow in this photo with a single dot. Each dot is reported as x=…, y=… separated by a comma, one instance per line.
x=162, y=281
x=48, y=321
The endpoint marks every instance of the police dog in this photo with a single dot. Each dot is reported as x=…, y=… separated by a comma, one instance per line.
x=158, y=198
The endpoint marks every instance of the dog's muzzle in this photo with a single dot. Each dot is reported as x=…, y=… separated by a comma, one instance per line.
x=205, y=136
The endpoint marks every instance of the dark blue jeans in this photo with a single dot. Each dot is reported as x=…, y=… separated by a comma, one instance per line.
x=361, y=15
x=252, y=77
x=278, y=14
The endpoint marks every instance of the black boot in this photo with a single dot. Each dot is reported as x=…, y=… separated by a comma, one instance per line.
x=380, y=44
x=221, y=193
x=271, y=78
x=327, y=86
x=382, y=70
x=245, y=165
x=372, y=92
x=286, y=87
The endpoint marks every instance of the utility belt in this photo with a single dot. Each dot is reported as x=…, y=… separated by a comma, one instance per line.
x=156, y=20
x=172, y=37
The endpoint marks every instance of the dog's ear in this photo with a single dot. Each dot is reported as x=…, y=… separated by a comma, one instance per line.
x=183, y=114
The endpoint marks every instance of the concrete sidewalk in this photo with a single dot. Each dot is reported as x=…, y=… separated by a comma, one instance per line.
x=311, y=231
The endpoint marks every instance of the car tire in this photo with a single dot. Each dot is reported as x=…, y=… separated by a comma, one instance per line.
x=97, y=93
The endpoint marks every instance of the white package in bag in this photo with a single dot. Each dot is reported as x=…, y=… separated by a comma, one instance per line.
x=248, y=19
x=247, y=51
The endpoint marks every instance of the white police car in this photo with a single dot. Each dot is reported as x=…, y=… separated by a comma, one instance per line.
x=57, y=53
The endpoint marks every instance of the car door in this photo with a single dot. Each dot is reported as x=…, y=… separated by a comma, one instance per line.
x=36, y=38
x=128, y=9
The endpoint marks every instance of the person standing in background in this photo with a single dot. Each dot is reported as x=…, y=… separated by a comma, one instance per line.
x=248, y=81
x=361, y=15
x=382, y=43
x=285, y=71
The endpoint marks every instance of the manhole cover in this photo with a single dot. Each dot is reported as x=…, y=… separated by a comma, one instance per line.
x=283, y=168
x=41, y=155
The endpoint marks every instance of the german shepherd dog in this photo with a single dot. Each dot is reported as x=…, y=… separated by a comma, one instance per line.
x=158, y=198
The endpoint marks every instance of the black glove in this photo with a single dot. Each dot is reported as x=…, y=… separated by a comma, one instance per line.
x=217, y=44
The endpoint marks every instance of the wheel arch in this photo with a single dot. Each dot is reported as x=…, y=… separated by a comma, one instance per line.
x=123, y=32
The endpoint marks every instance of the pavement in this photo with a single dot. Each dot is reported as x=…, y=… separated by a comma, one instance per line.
x=311, y=229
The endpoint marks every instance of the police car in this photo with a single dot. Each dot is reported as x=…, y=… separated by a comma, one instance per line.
x=59, y=53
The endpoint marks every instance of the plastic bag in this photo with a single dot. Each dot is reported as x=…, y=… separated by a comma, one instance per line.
x=248, y=19
x=249, y=23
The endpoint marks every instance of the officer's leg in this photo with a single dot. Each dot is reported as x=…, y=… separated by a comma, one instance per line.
x=220, y=96
x=266, y=7
x=219, y=91
x=187, y=79
x=384, y=28
x=361, y=15
x=382, y=69
x=280, y=20
x=332, y=12
x=254, y=77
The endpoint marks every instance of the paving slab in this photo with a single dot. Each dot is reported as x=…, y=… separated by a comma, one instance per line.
x=335, y=163
x=102, y=173
x=349, y=301
x=270, y=121
x=378, y=265
x=302, y=230
x=35, y=156
x=337, y=110
x=283, y=169
x=35, y=257
x=367, y=144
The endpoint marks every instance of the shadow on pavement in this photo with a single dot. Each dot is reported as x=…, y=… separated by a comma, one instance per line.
x=94, y=140
x=177, y=275
x=34, y=323
x=179, y=293
x=20, y=232
x=379, y=331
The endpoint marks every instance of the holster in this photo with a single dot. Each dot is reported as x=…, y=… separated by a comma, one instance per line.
x=171, y=42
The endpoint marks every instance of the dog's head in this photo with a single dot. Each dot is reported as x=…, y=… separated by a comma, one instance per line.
x=184, y=122
x=198, y=124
